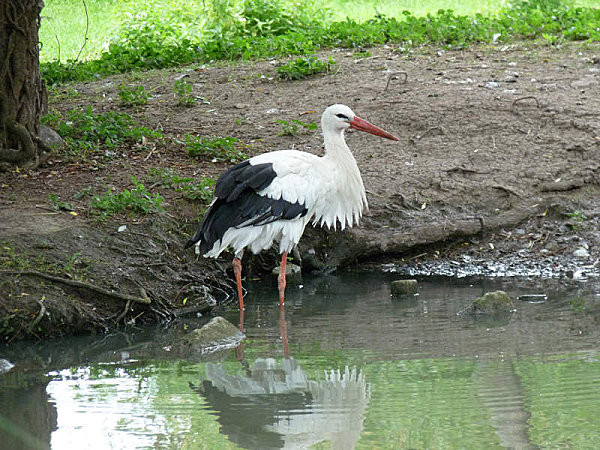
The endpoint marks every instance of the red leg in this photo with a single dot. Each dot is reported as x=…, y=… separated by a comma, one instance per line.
x=281, y=278
x=237, y=270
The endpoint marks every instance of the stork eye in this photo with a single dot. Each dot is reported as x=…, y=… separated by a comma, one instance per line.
x=342, y=116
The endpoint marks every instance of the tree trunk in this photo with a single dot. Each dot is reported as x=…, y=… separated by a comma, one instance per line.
x=22, y=92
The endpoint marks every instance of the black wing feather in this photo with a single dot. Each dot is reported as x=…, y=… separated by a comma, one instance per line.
x=238, y=204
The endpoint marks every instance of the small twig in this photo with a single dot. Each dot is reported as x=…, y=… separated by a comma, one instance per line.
x=417, y=256
x=58, y=44
x=375, y=194
x=395, y=74
x=528, y=97
x=180, y=290
x=85, y=36
x=78, y=284
x=149, y=155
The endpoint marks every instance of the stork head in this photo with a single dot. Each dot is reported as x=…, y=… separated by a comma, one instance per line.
x=338, y=118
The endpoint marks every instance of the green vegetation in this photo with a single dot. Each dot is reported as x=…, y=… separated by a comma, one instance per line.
x=577, y=216
x=13, y=259
x=183, y=92
x=301, y=68
x=133, y=96
x=291, y=128
x=577, y=220
x=58, y=205
x=569, y=420
x=64, y=23
x=361, y=54
x=217, y=148
x=86, y=131
x=136, y=200
x=414, y=403
x=189, y=187
x=163, y=33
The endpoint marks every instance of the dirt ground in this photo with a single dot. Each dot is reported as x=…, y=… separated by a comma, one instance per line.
x=498, y=161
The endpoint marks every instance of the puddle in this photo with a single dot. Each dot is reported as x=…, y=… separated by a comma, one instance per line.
x=343, y=365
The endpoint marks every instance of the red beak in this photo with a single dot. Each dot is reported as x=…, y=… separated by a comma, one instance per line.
x=363, y=125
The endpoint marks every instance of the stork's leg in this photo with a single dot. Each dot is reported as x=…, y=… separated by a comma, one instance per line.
x=281, y=278
x=237, y=270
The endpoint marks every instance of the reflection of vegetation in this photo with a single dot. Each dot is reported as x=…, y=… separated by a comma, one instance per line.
x=563, y=398
x=131, y=395
x=577, y=304
x=427, y=403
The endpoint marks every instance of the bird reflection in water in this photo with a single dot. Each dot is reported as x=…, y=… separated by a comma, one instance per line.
x=273, y=404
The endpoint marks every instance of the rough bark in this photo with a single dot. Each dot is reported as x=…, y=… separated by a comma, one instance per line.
x=22, y=91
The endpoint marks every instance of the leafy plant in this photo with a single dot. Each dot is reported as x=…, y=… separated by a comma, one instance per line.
x=361, y=53
x=183, y=91
x=301, y=68
x=136, y=200
x=189, y=187
x=291, y=128
x=577, y=220
x=217, y=148
x=56, y=204
x=577, y=216
x=159, y=34
x=85, y=131
x=83, y=192
x=133, y=96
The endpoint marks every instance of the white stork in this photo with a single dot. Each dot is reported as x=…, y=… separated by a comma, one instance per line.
x=272, y=197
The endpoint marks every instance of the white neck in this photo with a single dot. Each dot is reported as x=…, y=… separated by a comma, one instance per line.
x=351, y=198
x=335, y=145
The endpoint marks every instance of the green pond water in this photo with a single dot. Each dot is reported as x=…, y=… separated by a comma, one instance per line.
x=343, y=365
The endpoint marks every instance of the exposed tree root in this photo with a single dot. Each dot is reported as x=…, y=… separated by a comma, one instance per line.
x=79, y=284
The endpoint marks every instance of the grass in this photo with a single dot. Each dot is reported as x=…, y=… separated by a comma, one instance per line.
x=187, y=186
x=133, y=96
x=183, y=92
x=165, y=33
x=62, y=31
x=136, y=200
x=86, y=132
x=58, y=205
x=75, y=265
x=215, y=148
x=364, y=10
x=294, y=126
x=301, y=68
x=64, y=21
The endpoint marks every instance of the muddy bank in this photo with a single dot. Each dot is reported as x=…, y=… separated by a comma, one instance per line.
x=68, y=277
x=498, y=159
